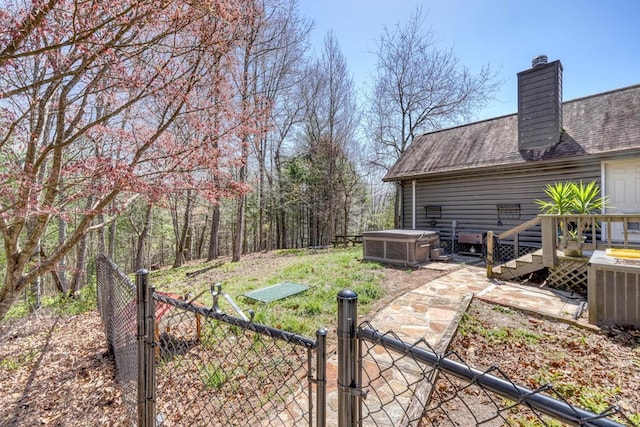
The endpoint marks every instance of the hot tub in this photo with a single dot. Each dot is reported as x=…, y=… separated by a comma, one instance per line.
x=406, y=247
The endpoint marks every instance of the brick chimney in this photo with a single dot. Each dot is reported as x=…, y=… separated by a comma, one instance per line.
x=540, y=104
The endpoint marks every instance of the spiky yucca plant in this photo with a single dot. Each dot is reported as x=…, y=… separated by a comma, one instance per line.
x=573, y=198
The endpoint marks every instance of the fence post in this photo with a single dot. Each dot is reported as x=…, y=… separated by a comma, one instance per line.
x=150, y=361
x=142, y=305
x=348, y=363
x=321, y=374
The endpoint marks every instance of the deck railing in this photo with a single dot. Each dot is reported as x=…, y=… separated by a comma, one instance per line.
x=574, y=232
x=515, y=233
x=587, y=233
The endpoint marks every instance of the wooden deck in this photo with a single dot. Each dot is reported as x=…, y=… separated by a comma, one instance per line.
x=568, y=272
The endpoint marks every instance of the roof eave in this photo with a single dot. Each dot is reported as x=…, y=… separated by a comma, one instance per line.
x=505, y=166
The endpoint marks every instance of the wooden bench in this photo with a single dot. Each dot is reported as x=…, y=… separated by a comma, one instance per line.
x=347, y=239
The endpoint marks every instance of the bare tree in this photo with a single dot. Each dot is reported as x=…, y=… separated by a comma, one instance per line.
x=246, y=87
x=419, y=88
x=290, y=110
x=142, y=233
x=330, y=120
x=270, y=58
x=182, y=230
x=279, y=62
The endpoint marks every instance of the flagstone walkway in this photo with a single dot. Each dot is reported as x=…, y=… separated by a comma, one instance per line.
x=432, y=311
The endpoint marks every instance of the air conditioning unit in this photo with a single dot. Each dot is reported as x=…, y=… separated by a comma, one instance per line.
x=613, y=289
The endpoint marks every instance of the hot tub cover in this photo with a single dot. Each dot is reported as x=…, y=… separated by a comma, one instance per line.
x=401, y=234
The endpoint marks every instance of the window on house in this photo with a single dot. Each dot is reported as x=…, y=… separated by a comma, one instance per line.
x=508, y=211
x=433, y=211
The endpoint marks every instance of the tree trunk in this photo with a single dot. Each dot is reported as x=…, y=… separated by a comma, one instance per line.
x=281, y=226
x=62, y=265
x=262, y=241
x=14, y=282
x=142, y=238
x=79, y=274
x=213, y=237
x=238, y=236
x=202, y=233
x=183, y=236
x=62, y=283
x=331, y=205
x=188, y=243
x=102, y=248
x=112, y=240
x=345, y=226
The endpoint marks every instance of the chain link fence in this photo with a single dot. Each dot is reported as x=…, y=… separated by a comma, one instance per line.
x=409, y=384
x=195, y=365
x=388, y=382
x=117, y=306
x=215, y=369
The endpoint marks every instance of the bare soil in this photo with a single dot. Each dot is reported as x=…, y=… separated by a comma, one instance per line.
x=589, y=369
x=56, y=370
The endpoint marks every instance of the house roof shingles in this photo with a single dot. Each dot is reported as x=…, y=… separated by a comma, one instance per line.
x=597, y=124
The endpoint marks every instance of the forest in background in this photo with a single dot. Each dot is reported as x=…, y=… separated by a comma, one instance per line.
x=164, y=132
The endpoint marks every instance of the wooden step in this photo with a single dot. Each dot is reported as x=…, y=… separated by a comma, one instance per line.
x=526, y=264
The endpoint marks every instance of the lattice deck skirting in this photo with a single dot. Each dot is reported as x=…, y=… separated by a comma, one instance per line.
x=570, y=275
x=504, y=252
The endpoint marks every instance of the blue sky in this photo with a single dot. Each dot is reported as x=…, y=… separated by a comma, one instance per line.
x=597, y=41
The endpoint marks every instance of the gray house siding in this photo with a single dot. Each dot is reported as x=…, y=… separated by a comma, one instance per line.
x=486, y=176
x=472, y=198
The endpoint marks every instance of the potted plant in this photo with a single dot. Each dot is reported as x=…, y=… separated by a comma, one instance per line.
x=573, y=198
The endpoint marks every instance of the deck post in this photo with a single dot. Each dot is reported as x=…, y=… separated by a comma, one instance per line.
x=489, y=254
x=549, y=249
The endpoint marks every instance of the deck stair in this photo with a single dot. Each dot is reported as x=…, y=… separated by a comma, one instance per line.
x=526, y=264
x=564, y=269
